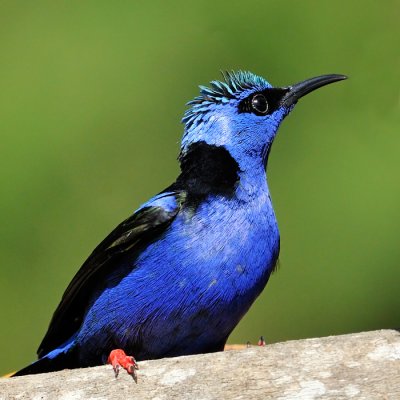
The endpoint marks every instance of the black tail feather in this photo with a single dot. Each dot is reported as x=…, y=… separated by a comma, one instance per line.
x=47, y=364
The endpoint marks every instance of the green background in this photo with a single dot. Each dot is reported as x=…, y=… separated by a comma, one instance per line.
x=91, y=97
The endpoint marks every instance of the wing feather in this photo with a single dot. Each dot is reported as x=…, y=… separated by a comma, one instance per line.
x=145, y=225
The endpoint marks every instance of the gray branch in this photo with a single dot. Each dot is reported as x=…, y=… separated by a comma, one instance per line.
x=357, y=366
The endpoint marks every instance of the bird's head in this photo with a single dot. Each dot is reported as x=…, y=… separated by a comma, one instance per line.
x=242, y=114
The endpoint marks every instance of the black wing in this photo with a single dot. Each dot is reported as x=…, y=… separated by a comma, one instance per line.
x=135, y=232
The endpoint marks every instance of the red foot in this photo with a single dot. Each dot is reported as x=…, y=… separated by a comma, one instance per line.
x=118, y=358
x=261, y=341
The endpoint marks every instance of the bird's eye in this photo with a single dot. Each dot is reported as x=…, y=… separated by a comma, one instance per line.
x=259, y=104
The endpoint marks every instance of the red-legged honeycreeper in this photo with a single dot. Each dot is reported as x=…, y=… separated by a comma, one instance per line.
x=177, y=276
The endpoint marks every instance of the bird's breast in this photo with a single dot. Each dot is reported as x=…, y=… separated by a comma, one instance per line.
x=217, y=257
x=230, y=242
x=192, y=285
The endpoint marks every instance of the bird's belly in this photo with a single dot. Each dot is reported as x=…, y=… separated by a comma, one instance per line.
x=189, y=289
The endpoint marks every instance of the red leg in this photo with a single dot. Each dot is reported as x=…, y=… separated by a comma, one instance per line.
x=261, y=341
x=118, y=358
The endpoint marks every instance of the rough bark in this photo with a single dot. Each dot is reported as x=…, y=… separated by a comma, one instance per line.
x=356, y=366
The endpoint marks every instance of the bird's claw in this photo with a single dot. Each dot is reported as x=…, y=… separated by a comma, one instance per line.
x=118, y=359
x=116, y=370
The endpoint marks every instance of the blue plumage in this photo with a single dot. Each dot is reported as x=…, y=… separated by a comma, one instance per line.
x=178, y=275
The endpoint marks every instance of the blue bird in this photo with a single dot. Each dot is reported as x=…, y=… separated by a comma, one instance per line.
x=177, y=276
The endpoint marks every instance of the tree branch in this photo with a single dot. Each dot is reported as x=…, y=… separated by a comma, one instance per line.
x=356, y=366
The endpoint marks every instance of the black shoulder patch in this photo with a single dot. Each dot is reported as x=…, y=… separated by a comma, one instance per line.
x=207, y=169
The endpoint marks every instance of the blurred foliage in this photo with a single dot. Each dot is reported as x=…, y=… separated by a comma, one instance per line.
x=91, y=96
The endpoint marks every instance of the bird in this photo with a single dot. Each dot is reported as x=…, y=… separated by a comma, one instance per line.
x=177, y=276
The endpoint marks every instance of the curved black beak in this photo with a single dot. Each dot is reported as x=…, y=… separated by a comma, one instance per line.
x=298, y=90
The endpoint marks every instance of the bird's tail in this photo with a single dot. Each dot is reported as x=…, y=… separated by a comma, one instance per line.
x=41, y=366
x=48, y=363
x=56, y=360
